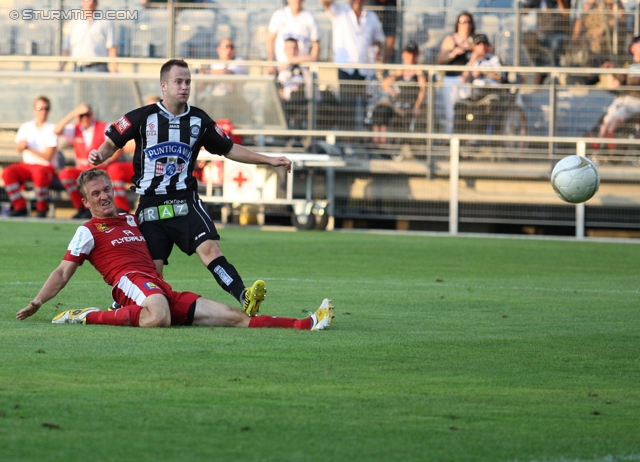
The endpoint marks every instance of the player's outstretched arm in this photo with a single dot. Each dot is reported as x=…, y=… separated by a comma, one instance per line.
x=53, y=285
x=106, y=150
x=244, y=155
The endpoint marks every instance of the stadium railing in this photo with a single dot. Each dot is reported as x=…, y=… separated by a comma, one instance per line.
x=503, y=178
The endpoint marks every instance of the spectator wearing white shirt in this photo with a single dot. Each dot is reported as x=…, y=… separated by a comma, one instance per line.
x=227, y=52
x=37, y=143
x=356, y=33
x=293, y=22
x=357, y=39
x=89, y=38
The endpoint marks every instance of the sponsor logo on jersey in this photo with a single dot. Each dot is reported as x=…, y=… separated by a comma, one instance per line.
x=163, y=212
x=167, y=149
x=194, y=130
x=151, y=286
x=102, y=227
x=151, y=130
x=122, y=125
x=174, y=126
x=128, y=233
x=123, y=240
x=221, y=132
x=78, y=239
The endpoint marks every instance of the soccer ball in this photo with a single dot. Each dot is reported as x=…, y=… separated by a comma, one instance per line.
x=575, y=179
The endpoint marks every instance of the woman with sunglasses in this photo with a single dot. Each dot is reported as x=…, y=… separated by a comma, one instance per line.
x=455, y=50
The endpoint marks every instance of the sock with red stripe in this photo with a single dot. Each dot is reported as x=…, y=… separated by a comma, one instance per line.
x=287, y=323
x=124, y=316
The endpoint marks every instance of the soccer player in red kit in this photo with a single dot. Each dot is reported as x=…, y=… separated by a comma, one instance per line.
x=114, y=245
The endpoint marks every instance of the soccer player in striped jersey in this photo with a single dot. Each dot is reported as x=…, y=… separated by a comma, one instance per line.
x=168, y=137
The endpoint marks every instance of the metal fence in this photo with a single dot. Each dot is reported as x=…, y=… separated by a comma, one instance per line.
x=404, y=178
x=590, y=32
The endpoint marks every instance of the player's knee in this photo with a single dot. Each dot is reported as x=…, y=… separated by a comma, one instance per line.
x=154, y=316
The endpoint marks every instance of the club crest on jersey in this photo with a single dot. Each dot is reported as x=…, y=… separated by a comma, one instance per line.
x=102, y=227
x=170, y=168
x=151, y=130
x=122, y=125
x=194, y=131
x=131, y=221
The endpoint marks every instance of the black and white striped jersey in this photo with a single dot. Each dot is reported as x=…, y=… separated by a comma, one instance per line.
x=167, y=146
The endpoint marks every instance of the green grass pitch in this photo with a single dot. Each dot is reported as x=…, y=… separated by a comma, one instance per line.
x=442, y=349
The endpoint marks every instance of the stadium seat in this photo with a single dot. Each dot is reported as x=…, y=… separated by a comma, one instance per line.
x=149, y=34
x=326, y=36
x=35, y=38
x=6, y=38
x=195, y=33
x=235, y=23
x=259, y=31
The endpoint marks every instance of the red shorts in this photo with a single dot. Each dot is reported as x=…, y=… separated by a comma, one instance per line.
x=133, y=288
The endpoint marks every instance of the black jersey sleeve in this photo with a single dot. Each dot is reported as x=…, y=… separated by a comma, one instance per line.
x=215, y=140
x=125, y=128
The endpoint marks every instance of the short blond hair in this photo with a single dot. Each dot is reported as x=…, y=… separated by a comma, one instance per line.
x=90, y=175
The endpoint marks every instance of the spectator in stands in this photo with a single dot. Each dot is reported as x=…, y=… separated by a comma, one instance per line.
x=455, y=49
x=404, y=109
x=546, y=43
x=628, y=104
x=37, y=143
x=597, y=28
x=292, y=87
x=227, y=52
x=85, y=135
x=226, y=99
x=387, y=11
x=485, y=87
x=293, y=22
x=89, y=38
x=482, y=56
x=357, y=39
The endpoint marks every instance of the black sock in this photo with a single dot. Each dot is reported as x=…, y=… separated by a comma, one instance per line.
x=227, y=277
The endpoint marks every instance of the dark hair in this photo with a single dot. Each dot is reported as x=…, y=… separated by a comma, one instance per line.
x=471, y=21
x=166, y=68
x=90, y=175
x=411, y=47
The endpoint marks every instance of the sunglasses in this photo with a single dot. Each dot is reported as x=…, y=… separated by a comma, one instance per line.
x=86, y=114
x=226, y=45
x=464, y=21
x=42, y=108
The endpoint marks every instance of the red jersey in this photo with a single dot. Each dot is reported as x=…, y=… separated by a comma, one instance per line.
x=80, y=149
x=114, y=246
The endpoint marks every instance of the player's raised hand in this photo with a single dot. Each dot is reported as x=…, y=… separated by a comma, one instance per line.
x=95, y=158
x=31, y=308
